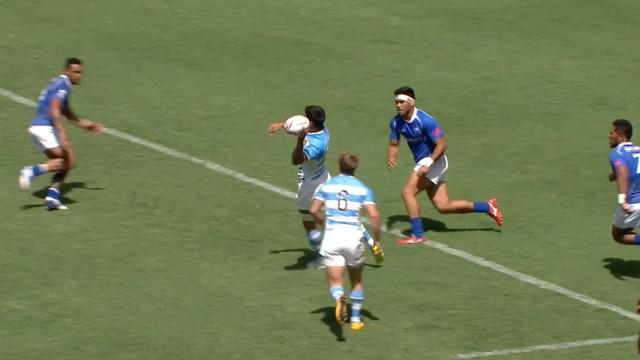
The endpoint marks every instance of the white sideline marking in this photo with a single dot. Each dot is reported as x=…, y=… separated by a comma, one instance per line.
x=434, y=244
x=551, y=347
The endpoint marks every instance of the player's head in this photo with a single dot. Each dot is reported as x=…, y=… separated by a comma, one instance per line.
x=405, y=99
x=348, y=163
x=316, y=116
x=621, y=131
x=73, y=70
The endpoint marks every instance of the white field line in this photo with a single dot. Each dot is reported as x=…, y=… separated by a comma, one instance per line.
x=551, y=347
x=434, y=244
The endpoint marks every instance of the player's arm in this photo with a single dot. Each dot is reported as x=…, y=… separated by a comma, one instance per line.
x=392, y=155
x=621, y=174
x=275, y=127
x=316, y=211
x=85, y=124
x=438, y=151
x=55, y=110
x=297, y=155
x=372, y=210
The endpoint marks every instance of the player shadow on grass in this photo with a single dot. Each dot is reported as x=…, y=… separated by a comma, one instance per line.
x=307, y=257
x=66, y=188
x=621, y=268
x=432, y=225
x=329, y=318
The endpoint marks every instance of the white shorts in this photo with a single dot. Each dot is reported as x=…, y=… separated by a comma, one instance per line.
x=622, y=220
x=343, y=246
x=44, y=137
x=307, y=189
x=437, y=171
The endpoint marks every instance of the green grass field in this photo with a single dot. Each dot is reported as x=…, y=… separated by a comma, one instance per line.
x=162, y=258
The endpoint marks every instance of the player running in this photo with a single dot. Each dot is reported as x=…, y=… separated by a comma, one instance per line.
x=343, y=245
x=427, y=142
x=49, y=134
x=626, y=173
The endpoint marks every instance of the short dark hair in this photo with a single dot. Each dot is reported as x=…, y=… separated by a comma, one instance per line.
x=72, y=61
x=348, y=163
x=405, y=90
x=316, y=115
x=624, y=127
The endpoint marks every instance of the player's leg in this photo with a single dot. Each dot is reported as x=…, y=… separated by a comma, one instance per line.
x=357, y=296
x=54, y=193
x=623, y=225
x=625, y=236
x=306, y=191
x=353, y=252
x=45, y=139
x=439, y=196
x=410, y=190
x=335, y=276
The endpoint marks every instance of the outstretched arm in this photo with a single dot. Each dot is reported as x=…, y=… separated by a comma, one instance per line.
x=85, y=124
x=275, y=127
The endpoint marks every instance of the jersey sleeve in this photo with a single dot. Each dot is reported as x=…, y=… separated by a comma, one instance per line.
x=312, y=151
x=394, y=134
x=62, y=91
x=616, y=160
x=368, y=198
x=432, y=129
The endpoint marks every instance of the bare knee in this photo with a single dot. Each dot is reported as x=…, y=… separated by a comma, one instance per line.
x=70, y=164
x=443, y=207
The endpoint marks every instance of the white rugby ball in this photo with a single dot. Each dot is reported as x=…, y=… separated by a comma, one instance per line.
x=295, y=124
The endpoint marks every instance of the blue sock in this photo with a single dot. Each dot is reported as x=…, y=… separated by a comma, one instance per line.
x=37, y=170
x=416, y=227
x=637, y=240
x=54, y=193
x=481, y=207
x=336, y=292
x=357, y=298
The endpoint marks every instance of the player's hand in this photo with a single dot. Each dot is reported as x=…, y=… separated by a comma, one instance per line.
x=377, y=252
x=273, y=128
x=391, y=163
x=626, y=208
x=95, y=127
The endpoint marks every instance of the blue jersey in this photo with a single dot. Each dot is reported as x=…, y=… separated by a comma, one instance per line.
x=315, y=148
x=343, y=197
x=60, y=88
x=422, y=132
x=627, y=154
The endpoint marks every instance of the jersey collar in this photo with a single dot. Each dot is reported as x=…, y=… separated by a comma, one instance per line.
x=414, y=116
x=66, y=79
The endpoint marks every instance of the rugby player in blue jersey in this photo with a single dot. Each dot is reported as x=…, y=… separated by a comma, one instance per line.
x=427, y=142
x=309, y=155
x=343, y=245
x=626, y=173
x=49, y=134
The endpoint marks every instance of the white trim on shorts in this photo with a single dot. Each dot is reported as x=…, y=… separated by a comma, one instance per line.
x=44, y=137
x=437, y=171
x=622, y=220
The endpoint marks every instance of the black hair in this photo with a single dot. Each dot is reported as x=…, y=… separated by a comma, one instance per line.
x=405, y=90
x=316, y=115
x=72, y=61
x=624, y=127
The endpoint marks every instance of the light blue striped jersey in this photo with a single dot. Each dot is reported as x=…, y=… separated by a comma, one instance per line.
x=343, y=197
x=60, y=88
x=315, y=148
